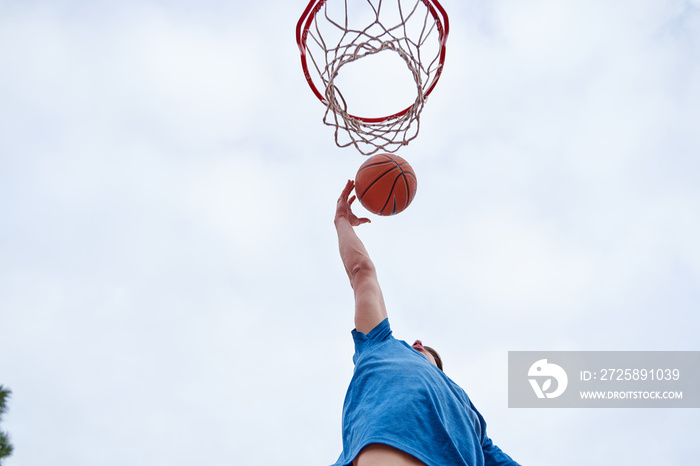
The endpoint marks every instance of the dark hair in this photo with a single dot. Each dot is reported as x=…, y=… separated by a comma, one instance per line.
x=438, y=359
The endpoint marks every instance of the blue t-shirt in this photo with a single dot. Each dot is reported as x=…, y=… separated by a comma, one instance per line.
x=397, y=397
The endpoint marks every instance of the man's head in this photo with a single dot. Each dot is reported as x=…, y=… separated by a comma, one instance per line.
x=429, y=353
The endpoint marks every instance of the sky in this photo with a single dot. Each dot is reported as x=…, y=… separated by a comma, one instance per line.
x=170, y=286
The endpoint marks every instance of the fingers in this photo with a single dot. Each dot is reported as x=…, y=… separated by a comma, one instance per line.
x=344, y=205
x=348, y=189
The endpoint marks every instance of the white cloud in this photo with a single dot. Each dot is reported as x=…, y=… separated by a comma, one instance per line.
x=240, y=198
x=523, y=265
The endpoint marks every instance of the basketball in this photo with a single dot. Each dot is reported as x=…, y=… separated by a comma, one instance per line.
x=385, y=184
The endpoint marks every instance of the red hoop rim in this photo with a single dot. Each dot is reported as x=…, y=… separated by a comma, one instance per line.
x=302, y=31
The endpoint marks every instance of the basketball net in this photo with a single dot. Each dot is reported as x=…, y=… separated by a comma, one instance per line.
x=331, y=36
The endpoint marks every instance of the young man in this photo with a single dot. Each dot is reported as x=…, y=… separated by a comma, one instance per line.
x=400, y=408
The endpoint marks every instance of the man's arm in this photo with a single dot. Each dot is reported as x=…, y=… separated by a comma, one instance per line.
x=369, y=302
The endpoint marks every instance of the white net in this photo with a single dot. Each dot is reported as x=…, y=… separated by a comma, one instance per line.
x=336, y=33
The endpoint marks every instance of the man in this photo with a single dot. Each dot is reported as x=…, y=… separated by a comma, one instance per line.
x=400, y=408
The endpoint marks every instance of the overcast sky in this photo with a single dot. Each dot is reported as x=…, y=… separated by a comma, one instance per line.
x=170, y=287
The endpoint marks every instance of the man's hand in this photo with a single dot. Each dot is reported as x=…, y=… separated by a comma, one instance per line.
x=343, y=209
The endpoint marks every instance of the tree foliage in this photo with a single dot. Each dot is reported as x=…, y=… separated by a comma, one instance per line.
x=5, y=445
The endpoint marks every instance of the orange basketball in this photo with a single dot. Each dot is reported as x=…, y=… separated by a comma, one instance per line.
x=385, y=184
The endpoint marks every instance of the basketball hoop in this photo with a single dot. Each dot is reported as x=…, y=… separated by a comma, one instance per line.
x=333, y=33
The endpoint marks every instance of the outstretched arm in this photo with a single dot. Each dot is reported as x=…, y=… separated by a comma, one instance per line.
x=369, y=302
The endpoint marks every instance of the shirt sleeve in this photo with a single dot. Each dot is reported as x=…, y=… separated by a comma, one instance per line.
x=493, y=456
x=365, y=342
